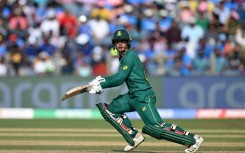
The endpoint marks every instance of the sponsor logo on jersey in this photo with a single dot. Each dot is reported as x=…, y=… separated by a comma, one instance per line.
x=125, y=67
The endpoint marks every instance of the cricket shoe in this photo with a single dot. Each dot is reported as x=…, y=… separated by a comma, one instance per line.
x=195, y=146
x=138, y=139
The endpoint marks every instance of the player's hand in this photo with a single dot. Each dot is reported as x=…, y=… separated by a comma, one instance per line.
x=96, y=88
x=97, y=80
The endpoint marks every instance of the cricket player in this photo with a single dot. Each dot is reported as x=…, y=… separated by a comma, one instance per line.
x=140, y=98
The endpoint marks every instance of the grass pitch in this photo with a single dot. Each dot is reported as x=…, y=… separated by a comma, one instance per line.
x=89, y=136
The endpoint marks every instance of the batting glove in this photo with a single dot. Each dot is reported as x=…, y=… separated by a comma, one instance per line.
x=96, y=88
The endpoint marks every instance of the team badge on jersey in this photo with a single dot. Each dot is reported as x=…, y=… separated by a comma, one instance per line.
x=125, y=67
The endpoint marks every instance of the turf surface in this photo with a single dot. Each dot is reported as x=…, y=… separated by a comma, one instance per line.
x=73, y=135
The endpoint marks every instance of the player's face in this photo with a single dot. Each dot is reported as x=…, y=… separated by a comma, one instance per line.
x=121, y=45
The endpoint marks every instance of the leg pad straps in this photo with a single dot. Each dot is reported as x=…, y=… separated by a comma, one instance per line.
x=116, y=123
x=160, y=133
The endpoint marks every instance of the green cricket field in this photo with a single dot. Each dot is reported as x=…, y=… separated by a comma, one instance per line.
x=90, y=136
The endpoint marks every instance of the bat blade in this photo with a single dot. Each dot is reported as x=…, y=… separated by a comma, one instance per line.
x=75, y=91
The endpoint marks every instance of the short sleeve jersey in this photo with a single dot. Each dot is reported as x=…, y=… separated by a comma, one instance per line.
x=130, y=71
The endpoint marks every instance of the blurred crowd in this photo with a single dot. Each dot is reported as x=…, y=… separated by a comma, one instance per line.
x=73, y=37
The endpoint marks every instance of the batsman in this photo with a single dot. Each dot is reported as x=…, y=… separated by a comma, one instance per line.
x=140, y=98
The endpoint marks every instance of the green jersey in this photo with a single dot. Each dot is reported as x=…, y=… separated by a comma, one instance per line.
x=130, y=71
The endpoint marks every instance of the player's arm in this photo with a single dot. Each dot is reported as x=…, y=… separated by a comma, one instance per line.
x=119, y=78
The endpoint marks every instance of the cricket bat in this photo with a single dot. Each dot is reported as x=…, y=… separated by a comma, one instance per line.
x=75, y=91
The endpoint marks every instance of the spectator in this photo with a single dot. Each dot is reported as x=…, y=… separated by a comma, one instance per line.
x=148, y=21
x=47, y=47
x=183, y=63
x=229, y=46
x=170, y=56
x=3, y=46
x=50, y=24
x=19, y=32
x=241, y=12
x=232, y=4
x=220, y=63
x=27, y=67
x=235, y=59
x=31, y=49
x=18, y=20
x=135, y=34
x=206, y=46
x=223, y=12
x=206, y=6
x=240, y=36
x=100, y=68
x=129, y=14
x=165, y=20
x=35, y=34
x=3, y=67
x=98, y=62
x=242, y=68
x=82, y=67
x=173, y=34
x=214, y=21
x=193, y=33
x=200, y=64
x=13, y=39
x=212, y=33
x=84, y=45
x=186, y=14
x=68, y=49
x=44, y=65
x=100, y=11
x=3, y=27
x=194, y=25
x=68, y=24
x=84, y=27
x=96, y=25
x=232, y=24
x=16, y=58
x=203, y=21
x=222, y=43
x=67, y=66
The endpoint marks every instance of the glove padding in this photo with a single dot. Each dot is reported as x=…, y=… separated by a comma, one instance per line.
x=96, y=88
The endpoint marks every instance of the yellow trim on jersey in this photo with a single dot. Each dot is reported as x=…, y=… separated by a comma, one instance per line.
x=149, y=100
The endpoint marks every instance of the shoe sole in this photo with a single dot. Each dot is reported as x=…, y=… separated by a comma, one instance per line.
x=136, y=145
